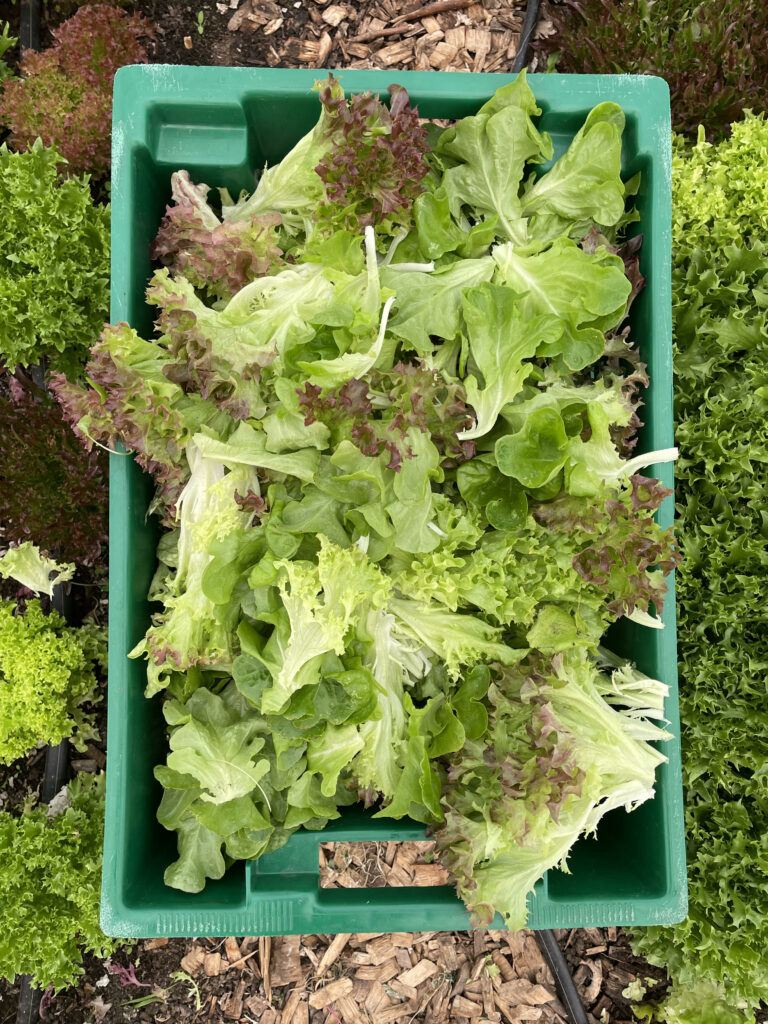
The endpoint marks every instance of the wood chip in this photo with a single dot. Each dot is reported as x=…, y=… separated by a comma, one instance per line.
x=381, y=949
x=527, y=959
x=504, y=966
x=301, y=1016
x=285, y=961
x=212, y=965
x=348, y=1009
x=443, y=55
x=456, y=36
x=232, y=1004
x=430, y=874
x=396, y=53
x=486, y=991
x=291, y=1006
x=239, y=17
x=232, y=949
x=592, y=991
x=334, y=15
x=193, y=960
x=393, y=1013
x=325, y=996
x=418, y=975
x=326, y=45
x=332, y=953
x=265, y=955
x=272, y=26
x=187, y=42
x=406, y=992
x=462, y=1007
x=461, y=980
x=522, y=991
x=151, y=944
x=257, y=1005
x=377, y=999
x=438, y=7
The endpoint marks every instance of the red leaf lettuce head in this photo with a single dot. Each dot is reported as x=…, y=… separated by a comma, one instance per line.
x=374, y=169
x=219, y=258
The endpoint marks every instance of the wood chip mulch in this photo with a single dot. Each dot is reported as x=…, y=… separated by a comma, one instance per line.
x=375, y=865
x=433, y=977
x=459, y=35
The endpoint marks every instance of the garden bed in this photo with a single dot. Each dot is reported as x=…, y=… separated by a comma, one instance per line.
x=354, y=979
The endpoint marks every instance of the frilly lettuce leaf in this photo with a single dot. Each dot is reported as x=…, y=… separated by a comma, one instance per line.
x=457, y=640
x=556, y=758
x=26, y=564
x=321, y=602
x=218, y=258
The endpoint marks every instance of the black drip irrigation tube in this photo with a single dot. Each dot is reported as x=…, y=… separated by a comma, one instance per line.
x=566, y=990
x=529, y=24
x=29, y=29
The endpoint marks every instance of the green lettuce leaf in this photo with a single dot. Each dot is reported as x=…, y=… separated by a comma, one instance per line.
x=587, y=292
x=26, y=564
x=500, y=339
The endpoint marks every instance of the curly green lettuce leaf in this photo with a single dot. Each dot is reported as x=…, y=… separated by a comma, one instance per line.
x=47, y=675
x=321, y=601
x=26, y=564
x=456, y=639
x=193, y=630
x=557, y=757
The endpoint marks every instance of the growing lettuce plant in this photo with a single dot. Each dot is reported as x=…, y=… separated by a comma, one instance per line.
x=47, y=674
x=54, y=262
x=716, y=957
x=63, y=95
x=50, y=881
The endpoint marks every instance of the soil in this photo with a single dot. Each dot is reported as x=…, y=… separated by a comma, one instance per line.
x=177, y=21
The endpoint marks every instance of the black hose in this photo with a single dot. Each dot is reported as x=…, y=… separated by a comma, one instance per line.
x=29, y=30
x=529, y=24
x=566, y=990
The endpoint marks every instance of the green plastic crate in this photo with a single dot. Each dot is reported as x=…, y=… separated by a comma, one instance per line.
x=222, y=124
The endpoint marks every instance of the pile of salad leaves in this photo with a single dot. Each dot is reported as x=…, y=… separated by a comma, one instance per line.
x=390, y=410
